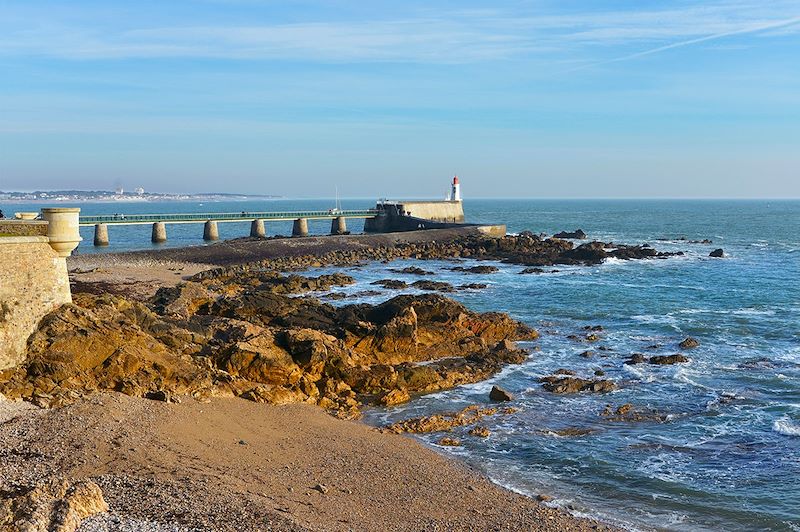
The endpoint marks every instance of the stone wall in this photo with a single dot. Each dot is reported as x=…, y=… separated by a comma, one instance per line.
x=20, y=228
x=438, y=211
x=33, y=282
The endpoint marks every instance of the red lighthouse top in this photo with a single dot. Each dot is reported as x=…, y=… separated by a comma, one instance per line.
x=455, y=180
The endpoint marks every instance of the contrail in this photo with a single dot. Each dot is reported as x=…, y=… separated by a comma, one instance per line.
x=751, y=29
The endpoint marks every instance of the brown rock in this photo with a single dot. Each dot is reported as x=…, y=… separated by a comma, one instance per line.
x=163, y=396
x=412, y=270
x=636, y=358
x=668, y=359
x=689, y=343
x=433, y=286
x=499, y=394
x=394, y=397
x=391, y=284
x=441, y=422
x=481, y=432
x=53, y=506
x=559, y=384
x=628, y=413
x=236, y=332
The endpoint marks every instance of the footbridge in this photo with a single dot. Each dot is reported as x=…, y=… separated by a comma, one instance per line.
x=210, y=220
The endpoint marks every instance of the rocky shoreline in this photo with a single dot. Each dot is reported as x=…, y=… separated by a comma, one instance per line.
x=253, y=330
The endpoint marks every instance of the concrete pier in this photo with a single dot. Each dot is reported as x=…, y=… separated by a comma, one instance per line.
x=300, y=227
x=100, y=235
x=338, y=226
x=210, y=231
x=159, y=233
x=257, y=229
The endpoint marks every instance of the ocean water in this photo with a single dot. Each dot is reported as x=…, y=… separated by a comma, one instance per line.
x=727, y=457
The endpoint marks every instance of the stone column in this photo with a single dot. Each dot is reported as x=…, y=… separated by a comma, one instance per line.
x=300, y=227
x=257, y=229
x=100, y=235
x=63, y=229
x=210, y=231
x=159, y=233
x=338, y=226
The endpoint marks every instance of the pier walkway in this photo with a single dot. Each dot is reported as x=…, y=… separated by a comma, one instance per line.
x=210, y=219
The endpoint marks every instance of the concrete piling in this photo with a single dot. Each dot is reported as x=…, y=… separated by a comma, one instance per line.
x=210, y=231
x=300, y=227
x=159, y=233
x=257, y=229
x=100, y=235
x=338, y=226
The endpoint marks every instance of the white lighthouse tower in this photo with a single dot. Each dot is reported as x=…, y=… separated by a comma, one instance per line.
x=455, y=191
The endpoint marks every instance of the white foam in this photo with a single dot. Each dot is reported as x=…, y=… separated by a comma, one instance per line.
x=682, y=375
x=786, y=427
x=632, y=369
x=753, y=312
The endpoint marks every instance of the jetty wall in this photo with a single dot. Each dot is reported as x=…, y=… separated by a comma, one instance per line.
x=33, y=282
x=412, y=215
x=438, y=211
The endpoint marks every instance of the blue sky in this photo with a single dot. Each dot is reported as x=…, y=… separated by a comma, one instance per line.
x=521, y=98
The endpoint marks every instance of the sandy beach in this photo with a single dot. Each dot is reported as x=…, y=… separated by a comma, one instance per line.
x=232, y=464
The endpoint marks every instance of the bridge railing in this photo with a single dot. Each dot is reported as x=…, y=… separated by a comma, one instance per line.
x=221, y=216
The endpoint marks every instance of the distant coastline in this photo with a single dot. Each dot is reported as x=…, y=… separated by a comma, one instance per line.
x=107, y=196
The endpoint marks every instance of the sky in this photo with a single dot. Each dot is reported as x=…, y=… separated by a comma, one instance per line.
x=524, y=98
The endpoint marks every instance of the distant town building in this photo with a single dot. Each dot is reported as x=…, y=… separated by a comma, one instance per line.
x=139, y=191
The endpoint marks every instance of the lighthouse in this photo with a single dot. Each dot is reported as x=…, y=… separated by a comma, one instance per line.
x=455, y=191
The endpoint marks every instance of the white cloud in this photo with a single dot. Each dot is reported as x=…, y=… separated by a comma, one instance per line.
x=433, y=37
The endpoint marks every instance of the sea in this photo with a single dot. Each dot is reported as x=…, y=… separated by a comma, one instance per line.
x=724, y=453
